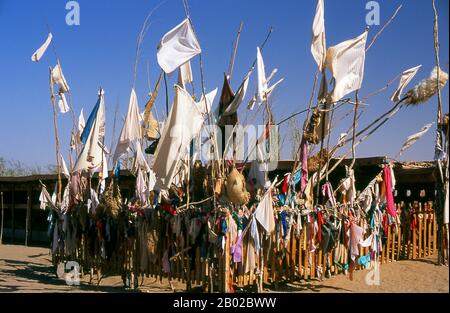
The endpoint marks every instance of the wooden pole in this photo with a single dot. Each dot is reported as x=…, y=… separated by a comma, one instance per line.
x=430, y=225
x=399, y=241
x=305, y=266
x=28, y=218
x=414, y=231
x=293, y=254
x=230, y=69
x=3, y=218
x=393, y=245
x=53, y=99
x=261, y=267
x=300, y=252
x=434, y=235
x=425, y=230
x=13, y=208
x=420, y=230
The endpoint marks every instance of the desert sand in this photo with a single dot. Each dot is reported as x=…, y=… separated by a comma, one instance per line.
x=26, y=269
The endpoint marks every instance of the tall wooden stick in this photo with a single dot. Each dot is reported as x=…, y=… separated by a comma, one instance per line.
x=59, y=187
x=3, y=217
x=354, y=131
x=231, y=67
x=384, y=26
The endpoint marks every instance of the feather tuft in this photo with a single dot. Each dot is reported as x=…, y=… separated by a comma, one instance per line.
x=427, y=88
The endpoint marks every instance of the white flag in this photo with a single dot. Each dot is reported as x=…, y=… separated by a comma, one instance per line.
x=406, y=78
x=413, y=138
x=264, y=212
x=262, y=82
x=183, y=124
x=40, y=52
x=64, y=168
x=81, y=122
x=140, y=163
x=58, y=78
x=177, y=47
x=263, y=90
x=318, y=45
x=346, y=62
x=131, y=130
x=62, y=103
x=209, y=101
x=185, y=74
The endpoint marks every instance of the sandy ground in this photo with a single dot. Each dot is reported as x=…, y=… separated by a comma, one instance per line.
x=25, y=269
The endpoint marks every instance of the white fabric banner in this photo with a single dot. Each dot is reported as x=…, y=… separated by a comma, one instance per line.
x=177, y=47
x=318, y=45
x=346, y=62
x=64, y=168
x=40, y=52
x=131, y=130
x=62, y=103
x=264, y=212
x=183, y=124
x=413, y=138
x=406, y=78
x=185, y=74
x=59, y=79
x=261, y=71
x=81, y=122
x=263, y=90
x=209, y=101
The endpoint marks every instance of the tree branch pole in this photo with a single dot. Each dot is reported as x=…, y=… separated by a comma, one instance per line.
x=357, y=143
x=3, y=218
x=384, y=26
x=328, y=142
x=58, y=158
x=354, y=131
x=305, y=124
x=74, y=125
x=438, y=145
x=436, y=50
x=231, y=67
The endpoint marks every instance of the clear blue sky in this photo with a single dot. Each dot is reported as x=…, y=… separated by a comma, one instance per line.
x=100, y=52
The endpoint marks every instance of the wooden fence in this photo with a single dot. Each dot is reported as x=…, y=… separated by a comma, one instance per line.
x=415, y=237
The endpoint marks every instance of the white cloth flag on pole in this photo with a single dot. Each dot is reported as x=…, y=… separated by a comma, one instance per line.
x=92, y=154
x=140, y=163
x=81, y=122
x=103, y=172
x=58, y=78
x=131, y=130
x=177, y=47
x=264, y=212
x=40, y=52
x=413, y=138
x=64, y=168
x=263, y=90
x=62, y=103
x=318, y=45
x=262, y=83
x=209, y=101
x=406, y=78
x=183, y=124
x=185, y=74
x=346, y=62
